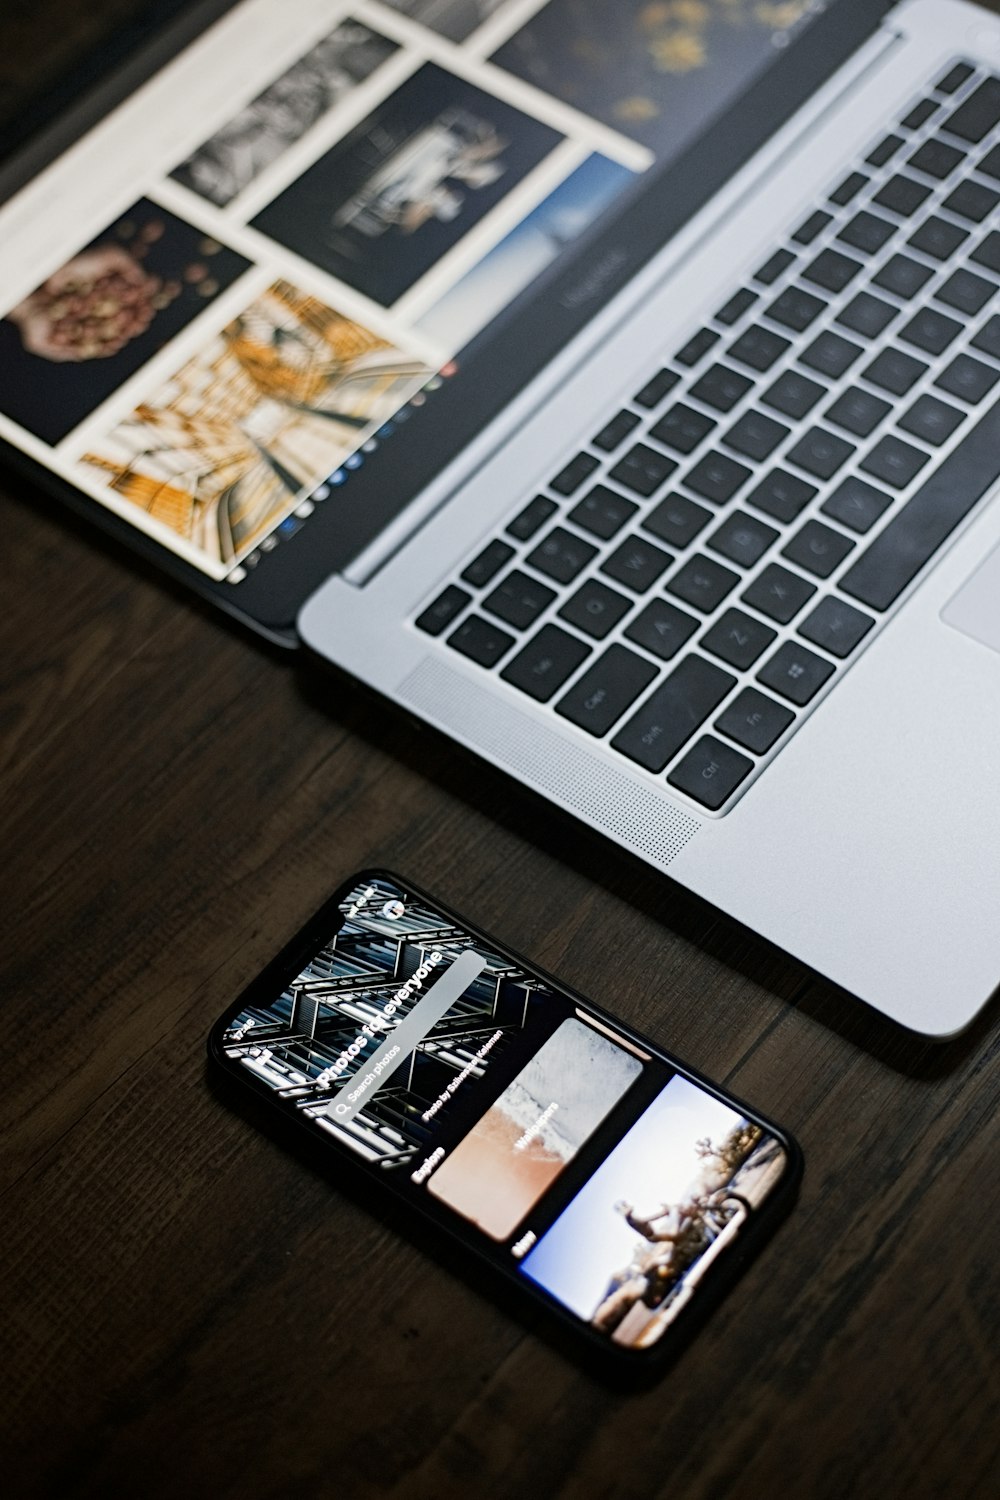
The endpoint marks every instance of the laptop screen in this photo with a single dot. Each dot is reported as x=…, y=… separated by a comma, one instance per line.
x=268, y=296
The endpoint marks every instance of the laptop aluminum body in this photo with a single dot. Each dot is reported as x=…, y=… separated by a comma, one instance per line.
x=867, y=847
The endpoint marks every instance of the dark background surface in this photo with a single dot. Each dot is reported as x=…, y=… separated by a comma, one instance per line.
x=189, y=1310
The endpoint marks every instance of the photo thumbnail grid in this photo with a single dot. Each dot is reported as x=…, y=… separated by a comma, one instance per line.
x=216, y=475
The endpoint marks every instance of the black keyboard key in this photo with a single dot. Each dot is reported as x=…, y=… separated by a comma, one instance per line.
x=532, y=518
x=857, y=411
x=831, y=355
x=930, y=330
x=677, y=520
x=518, y=600
x=721, y=388
x=848, y=189
x=977, y=115
x=642, y=470
x=595, y=609
x=653, y=392
x=894, y=462
x=987, y=253
x=902, y=276
x=542, y=666
x=988, y=338
x=894, y=371
x=867, y=315
x=938, y=238
x=702, y=583
x=561, y=555
x=710, y=772
x=488, y=564
x=604, y=692
x=754, y=720
x=836, y=626
x=772, y=268
x=672, y=713
x=936, y=159
x=602, y=512
x=759, y=348
x=820, y=453
x=445, y=608
x=636, y=563
x=742, y=539
x=817, y=549
x=778, y=593
x=569, y=479
x=793, y=394
x=966, y=292
x=795, y=673
x=737, y=305
x=795, y=309
x=662, y=629
x=902, y=195
x=481, y=641
x=967, y=378
x=682, y=428
x=867, y=232
x=831, y=270
x=781, y=495
x=952, y=81
x=738, y=639
x=885, y=150
x=931, y=420
x=990, y=164
x=696, y=348
x=716, y=477
x=972, y=201
x=614, y=433
x=897, y=554
x=856, y=504
x=919, y=114
x=812, y=228
x=755, y=435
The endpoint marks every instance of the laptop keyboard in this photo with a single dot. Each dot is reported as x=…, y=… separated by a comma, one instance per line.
x=689, y=585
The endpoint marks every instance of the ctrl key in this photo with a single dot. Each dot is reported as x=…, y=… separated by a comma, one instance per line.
x=710, y=772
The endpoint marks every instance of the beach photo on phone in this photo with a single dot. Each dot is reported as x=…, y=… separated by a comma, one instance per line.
x=535, y=1128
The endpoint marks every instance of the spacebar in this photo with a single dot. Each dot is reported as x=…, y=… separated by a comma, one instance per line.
x=912, y=537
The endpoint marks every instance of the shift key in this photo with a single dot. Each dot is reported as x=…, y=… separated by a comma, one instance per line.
x=671, y=715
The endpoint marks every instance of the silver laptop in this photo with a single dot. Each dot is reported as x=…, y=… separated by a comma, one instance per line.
x=614, y=387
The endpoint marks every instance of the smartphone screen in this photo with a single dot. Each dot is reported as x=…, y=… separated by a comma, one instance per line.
x=552, y=1138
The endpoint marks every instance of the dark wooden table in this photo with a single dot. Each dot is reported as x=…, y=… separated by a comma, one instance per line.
x=190, y=1311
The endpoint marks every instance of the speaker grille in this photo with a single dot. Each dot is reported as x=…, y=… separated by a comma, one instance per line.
x=604, y=797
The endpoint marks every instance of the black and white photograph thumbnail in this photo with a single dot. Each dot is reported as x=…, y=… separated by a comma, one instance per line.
x=235, y=155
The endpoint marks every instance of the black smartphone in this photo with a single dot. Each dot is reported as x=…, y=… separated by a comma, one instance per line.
x=593, y=1170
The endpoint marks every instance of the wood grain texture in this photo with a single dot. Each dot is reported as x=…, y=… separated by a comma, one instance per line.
x=188, y=1310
